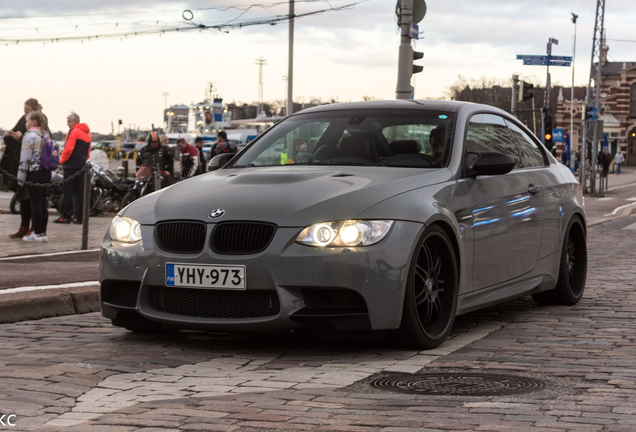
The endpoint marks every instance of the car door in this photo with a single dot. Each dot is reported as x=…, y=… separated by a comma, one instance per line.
x=535, y=161
x=507, y=213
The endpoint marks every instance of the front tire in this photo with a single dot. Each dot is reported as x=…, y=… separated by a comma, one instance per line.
x=14, y=205
x=128, y=198
x=430, y=300
x=572, y=269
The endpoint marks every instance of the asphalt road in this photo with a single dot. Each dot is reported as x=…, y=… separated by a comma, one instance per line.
x=49, y=270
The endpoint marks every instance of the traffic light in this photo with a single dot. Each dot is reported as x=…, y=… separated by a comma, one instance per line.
x=547, y=132
x=416, y=56
x=589, y=112
x=525, y=93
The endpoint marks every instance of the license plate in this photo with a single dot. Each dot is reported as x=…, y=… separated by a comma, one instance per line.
x=206, y=276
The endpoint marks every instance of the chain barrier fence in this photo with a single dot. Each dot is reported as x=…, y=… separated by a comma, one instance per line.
x=86, y=170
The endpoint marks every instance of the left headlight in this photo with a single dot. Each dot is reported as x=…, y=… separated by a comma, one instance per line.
x=125, y=230
x=344, y=233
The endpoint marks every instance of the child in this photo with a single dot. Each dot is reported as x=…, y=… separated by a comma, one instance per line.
x=31, y=171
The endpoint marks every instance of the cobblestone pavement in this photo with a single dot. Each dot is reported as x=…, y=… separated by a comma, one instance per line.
x=78, y=373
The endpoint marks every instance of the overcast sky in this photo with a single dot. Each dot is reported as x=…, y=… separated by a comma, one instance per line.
x=342, y=55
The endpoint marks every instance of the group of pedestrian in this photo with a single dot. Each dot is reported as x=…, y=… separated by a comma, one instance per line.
x=604, y=159
x=24, y=173
x=192, y=157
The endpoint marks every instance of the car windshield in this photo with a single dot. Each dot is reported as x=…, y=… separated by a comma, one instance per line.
x=392, y=138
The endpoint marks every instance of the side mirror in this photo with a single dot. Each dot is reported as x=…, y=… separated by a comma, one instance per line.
x=488, y=163
x=219, y=160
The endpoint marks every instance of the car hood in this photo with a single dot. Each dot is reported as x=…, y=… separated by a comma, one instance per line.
x=286, y=196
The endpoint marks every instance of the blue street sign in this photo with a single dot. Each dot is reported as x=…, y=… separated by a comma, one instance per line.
x=557, y=135
x=414, y=31
x=532, y=57
x=542, y=60
x=595, y=114
x=545, y=63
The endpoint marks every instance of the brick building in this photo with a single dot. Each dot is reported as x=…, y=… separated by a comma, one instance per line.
x=617, y=106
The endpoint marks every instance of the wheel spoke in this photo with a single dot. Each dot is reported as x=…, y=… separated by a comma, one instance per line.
x=428, y=257
x=437, y=267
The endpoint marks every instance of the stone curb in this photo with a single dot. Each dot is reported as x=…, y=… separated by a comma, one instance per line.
x=33, y=305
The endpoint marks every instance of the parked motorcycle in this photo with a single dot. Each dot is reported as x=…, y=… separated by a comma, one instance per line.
x=146, y=181
x=53, y=198
x=107, y=191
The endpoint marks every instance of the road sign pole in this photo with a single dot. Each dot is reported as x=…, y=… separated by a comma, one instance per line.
x=405, y=61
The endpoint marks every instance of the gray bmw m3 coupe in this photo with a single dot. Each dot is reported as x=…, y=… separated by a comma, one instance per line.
x=391, y=217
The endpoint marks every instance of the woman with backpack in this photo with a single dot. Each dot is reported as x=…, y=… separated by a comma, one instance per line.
x=31, y=170
x=10, y=161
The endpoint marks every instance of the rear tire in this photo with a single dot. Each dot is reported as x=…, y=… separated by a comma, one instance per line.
x=572, y=269
x=60, y=205
x=14, y=205
x=430, y=300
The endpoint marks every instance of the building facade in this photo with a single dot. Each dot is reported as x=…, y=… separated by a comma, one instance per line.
x=617, y=109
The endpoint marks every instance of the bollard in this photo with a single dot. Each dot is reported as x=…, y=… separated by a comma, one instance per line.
x=87, y=205
x=126, y=168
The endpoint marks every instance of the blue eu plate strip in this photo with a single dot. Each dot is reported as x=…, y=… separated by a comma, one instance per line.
x=170, y=274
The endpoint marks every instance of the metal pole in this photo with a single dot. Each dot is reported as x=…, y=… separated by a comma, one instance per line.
x=87, y=205
x=515, y=90
x=405, y=61
x=290, y=66
x=534, y=118
x=572, y=149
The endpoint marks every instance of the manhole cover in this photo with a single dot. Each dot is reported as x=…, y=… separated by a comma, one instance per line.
x=460, y=384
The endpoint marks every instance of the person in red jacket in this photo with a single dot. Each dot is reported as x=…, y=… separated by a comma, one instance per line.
x=76, y=151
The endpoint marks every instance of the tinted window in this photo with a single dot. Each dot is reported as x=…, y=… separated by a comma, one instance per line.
x=530, y=152
x=488, y=132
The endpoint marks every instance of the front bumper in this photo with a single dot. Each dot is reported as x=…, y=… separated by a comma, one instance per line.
x=353, y=288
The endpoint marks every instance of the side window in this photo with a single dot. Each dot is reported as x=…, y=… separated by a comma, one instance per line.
x=488, y=132
x=530, y=151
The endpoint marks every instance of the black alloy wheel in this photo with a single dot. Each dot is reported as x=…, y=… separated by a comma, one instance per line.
x=430, y=300
x=572, y=269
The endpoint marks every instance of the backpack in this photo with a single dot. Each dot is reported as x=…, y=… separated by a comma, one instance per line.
x=225, y=147
x=50, y=158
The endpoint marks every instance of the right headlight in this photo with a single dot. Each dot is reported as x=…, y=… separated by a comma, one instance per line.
x=344, y=233
x=125, y=230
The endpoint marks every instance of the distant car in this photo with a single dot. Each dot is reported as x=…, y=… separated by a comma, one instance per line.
x=394, y=216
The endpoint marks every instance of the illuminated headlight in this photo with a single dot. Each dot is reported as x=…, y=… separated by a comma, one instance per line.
x=125, y=230
x=344, y=233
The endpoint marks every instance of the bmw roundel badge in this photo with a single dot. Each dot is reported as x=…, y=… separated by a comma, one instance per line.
x=217, y=213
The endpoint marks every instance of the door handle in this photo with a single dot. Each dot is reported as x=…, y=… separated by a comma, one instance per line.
x=533, y=189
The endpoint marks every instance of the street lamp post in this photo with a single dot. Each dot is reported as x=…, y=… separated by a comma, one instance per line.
x=572, y=157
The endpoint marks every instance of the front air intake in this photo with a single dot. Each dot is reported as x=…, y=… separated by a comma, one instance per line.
x=241, y=238
x=180, y=237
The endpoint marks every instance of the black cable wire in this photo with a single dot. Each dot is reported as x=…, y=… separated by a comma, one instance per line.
x=192, y=26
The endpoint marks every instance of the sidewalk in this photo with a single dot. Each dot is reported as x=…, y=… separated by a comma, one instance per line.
x=33, y=304
x=600, y=209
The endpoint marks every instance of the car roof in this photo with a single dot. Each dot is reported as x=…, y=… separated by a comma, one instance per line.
x=390, y=104
x=407, y=104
